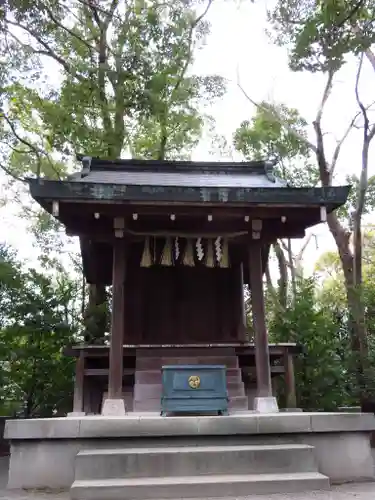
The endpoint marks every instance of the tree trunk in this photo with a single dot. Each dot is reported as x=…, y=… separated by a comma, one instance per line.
x=355, y=306
x=283, y=269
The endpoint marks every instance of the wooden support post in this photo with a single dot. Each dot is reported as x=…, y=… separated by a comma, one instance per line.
x=290, y=384
x=262, y=358
x=242, y=327
x=79, y=380
x=79, y=383
x=114, y=405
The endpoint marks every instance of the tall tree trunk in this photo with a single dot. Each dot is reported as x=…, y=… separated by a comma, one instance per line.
x=283, y=270
x=355, y=307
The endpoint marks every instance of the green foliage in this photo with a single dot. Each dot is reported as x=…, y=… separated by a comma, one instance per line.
x=321, y=34
x=38, y=319
x=121, y=81
x=322, y=376
x=318, y=319
x=348, y=209
x=278, y=132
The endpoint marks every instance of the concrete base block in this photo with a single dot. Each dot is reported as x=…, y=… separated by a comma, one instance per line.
x=266, y=405
x=113, y=408
x=341, y=443
x=76, y=414
x=175, y=461
x=291, y=410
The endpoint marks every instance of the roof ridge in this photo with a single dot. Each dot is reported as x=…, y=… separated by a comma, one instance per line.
x=264, y=167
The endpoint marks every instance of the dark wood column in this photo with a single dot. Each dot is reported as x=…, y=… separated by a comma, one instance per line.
x=291, y=398
x=242, y=326
x=262, y=358
x=79, y=384
x=118, y=316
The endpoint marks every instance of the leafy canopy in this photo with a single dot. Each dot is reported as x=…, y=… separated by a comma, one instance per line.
x=321, y=34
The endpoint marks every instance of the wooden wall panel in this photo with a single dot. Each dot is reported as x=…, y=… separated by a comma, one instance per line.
x=181, y=304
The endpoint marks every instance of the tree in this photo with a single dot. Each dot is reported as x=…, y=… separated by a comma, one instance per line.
x=322, y=370
x=122, y=85
x=124, y=82
x=39, y=317
x=264, y=137
x=321, y=36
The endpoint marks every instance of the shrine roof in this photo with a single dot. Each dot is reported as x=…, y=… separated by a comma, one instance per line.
x=178, y=173
x=145, y=181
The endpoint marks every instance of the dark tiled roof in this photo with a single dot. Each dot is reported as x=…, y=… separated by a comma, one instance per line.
x=180, y=173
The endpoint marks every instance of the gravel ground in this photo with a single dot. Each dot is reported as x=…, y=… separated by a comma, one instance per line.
x=361, y=491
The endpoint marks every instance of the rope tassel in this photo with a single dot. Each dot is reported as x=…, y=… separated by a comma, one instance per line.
x=210, y=261
x=188, y=259
x=146, y=260
x=166, y=256
x=224, y=261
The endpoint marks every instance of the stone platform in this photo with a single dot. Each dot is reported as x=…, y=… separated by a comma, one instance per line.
x=148, y=456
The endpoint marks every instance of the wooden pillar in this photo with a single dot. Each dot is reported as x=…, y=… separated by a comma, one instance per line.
x=118, y=316
x=290, y=384
x=262, y=358
x=79, y=384
x=242, y=327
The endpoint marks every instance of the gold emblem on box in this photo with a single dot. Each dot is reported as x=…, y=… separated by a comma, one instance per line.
x=194, y=381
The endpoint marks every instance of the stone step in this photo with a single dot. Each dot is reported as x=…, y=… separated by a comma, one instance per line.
x=155, y=376
x=219, y=486
x=194, y=461
x=148, y=363
x=145, y=391
x=238, y=403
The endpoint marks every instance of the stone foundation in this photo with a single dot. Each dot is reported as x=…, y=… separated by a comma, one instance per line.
x=43, y=451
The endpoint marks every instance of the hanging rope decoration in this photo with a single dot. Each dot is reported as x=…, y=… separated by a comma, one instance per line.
x=176, y=248
x=166, y=256
x=200, y=249
x=210, y=261
x=146, y=260
x=188, y=259
x=211, y=252
x=224, y=261
x=218, y=251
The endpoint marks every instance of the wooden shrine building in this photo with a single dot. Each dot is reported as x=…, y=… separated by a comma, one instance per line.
x=177, y=241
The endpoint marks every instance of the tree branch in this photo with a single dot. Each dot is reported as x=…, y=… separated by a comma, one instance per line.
x=370, y=57
x=351, y=13
x=339, y=144
x=17, y=136
x=368, y=134
x=188, y=58
x=324, y=170
x=68, y=30
x=277, y=118
x=49, y=52
x=11, y=174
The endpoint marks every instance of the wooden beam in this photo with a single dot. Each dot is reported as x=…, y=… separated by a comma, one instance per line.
x=242, y=348
x=251, y=370
x=262, y=358
x=103, y=372
x=187, y=212
x=117, y=328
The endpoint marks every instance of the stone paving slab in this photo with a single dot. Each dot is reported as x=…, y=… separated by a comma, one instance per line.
x=363, y=491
